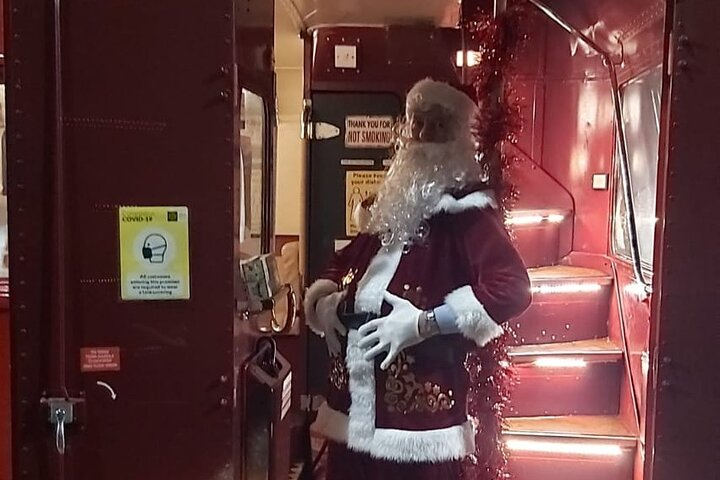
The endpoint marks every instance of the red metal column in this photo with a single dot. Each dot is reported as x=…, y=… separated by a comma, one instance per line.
x=683, y=418
x=5, y=434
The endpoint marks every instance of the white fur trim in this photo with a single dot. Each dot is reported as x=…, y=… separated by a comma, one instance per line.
x=319, y=289
x=361, y=383
x=373, y=285
x=331, y=424
x=450, y=204
x=472, y=319
x=428, y=92
x=441, y=445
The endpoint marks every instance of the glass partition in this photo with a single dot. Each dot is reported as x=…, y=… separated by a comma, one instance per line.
x=254, y=134
x=641, y=111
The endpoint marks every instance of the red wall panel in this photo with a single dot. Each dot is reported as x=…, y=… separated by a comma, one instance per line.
x=578, y=142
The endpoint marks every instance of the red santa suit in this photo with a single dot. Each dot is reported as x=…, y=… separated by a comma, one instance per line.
x=410, y=420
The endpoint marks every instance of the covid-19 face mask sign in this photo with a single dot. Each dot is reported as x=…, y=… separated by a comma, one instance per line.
x=154, y=253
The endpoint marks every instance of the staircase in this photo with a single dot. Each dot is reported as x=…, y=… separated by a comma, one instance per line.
x=563, y=420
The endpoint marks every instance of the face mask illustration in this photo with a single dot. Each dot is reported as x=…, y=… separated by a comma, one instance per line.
x=154, y=248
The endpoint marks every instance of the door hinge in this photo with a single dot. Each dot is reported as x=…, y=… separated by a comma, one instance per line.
x=324, y=131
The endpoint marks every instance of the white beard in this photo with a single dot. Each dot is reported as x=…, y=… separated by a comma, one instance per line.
x=421, y=173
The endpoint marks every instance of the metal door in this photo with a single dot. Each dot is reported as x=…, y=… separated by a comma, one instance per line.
x=122, y=104
x=349, y=140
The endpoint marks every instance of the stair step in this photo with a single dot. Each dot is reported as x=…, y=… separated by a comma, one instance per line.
x=569, y=304
x=541, y=236
x=606, y=428
x=573, y=447
x=566, y=273
x=593, y=350
x=573, y=378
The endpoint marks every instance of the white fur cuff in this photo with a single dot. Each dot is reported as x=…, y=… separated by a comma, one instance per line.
x=473, y=321
x=319, y=289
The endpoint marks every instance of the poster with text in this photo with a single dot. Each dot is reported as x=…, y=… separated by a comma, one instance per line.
x=154, y=253
x=359, y=185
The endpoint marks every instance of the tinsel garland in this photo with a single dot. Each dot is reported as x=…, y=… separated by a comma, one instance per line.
x=499, y=41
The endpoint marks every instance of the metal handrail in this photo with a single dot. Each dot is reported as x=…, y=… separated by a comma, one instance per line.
x=622, y=139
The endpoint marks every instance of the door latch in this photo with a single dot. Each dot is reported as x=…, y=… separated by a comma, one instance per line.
x=62, y=412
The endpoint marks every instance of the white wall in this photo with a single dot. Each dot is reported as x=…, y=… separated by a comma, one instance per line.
x=290, y=154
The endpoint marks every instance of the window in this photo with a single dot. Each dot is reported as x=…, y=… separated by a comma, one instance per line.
x=253, y=141
x=641, y=111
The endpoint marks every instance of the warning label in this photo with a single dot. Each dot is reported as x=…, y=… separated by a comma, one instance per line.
x=154, y=253
x=359, y=185
x=364, y=131
x=100, y=359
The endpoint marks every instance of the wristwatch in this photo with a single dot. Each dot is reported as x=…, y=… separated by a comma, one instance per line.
x=427, y=324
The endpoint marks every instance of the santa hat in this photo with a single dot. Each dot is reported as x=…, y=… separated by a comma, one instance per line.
x=429, y=92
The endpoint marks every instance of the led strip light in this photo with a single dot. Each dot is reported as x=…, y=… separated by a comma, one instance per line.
x=585, y=287
x=564, y=447
x=520, y=220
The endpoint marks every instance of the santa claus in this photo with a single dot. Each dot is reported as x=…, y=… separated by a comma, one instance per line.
x=432, y=276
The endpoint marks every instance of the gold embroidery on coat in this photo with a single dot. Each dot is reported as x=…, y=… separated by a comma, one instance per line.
x=404, y=394
x=348, y=278
x=338, y=372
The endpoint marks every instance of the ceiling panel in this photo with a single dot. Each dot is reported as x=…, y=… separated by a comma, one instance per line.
x=313, y=13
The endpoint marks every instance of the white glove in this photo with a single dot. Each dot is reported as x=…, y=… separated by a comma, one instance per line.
x=329, y=323
x=393, y=333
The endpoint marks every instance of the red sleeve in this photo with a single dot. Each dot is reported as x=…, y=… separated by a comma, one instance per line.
x=500, y=278
x=498, y=288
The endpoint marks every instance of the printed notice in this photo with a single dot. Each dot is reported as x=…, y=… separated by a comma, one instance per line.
x=359, y=185
x=100, y=359
x=154, y=253
x=364, y=131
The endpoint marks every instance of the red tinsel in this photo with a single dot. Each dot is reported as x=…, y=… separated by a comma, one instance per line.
x=498, y=40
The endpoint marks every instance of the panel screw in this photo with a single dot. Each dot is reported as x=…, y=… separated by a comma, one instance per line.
x=223, y=378
x=224, y=402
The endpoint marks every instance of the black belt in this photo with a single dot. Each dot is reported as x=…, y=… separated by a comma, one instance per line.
x=352, y=320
